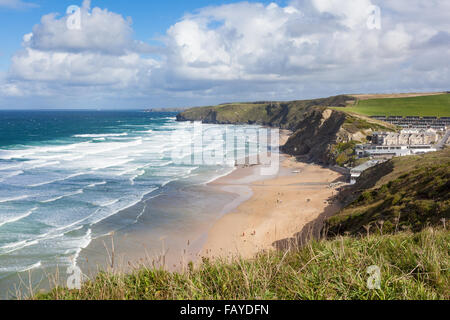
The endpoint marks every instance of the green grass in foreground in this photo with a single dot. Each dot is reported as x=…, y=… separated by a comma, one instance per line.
x=438, y=105
x=413, y=266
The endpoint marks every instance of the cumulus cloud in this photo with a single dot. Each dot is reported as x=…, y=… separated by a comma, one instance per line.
x=243, y=51
x=308, y=45
x=100, y=31
x=101, y=53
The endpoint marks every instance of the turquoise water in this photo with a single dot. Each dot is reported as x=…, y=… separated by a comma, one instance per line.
x=63, y=173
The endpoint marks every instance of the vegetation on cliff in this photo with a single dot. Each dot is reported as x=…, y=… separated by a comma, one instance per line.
x=318, y=130
x=328, y=136
x=407, y=193
x=285, y=115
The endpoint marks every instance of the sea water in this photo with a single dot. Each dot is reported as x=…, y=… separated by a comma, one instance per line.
x=64, y=172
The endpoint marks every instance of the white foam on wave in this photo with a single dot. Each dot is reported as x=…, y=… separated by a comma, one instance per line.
x=140, y=173
x=18, y=245
x=80, y=191
x=106, y=204
x=97, y=218
x=53, y=234
x=33, y=266
x=58, y=180
x=13, y=199
x=11, y=174
x=21, y=269
x=85, y=241
x=18, y=218
x=135, y=150
x=228, y=172
x=105, y=135
x=96, y=184
x=14, y=166
x=112, y=163
x=43, y=164
x=29, y=152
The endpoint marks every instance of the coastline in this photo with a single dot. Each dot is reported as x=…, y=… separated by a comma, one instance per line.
x=163, y=237
x=241, y=213
x=279, y=208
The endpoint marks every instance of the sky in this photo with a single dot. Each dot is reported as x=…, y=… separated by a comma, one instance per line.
x=119, y=54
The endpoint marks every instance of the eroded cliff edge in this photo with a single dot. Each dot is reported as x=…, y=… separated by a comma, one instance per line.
x=320, y=133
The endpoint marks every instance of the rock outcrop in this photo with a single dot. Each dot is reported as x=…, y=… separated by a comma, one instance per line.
x=321, y=134
x=316, y=135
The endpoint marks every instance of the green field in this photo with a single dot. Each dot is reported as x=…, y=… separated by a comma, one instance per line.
x=438, y=105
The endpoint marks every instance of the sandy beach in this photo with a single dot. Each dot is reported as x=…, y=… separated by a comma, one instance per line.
x=278, y=209
x=242, y=213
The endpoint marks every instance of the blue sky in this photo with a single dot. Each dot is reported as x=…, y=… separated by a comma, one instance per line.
x=150, y=18
x=184, y=53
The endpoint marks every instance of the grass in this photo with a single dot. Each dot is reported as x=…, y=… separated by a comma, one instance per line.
x=355, y=124
x=413, y=266
x=413, y=195
x=438, y=105
x=344, y=152
x=286, y=115
x=412, y=252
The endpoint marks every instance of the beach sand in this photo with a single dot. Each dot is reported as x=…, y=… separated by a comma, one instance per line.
x=279, y=208
x=241, y=213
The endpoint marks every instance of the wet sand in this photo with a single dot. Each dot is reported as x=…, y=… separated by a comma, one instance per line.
x=279, y=208
x=239, y=214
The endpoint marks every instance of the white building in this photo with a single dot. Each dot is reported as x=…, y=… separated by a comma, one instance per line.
x=370, y=150
x=356, y=172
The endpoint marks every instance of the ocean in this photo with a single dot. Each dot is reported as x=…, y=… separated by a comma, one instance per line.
x=70, y=177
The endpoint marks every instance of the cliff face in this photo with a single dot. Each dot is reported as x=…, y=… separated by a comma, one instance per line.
x=316, y=135
x=285, y=115
x=321, y=135
x=328, y=136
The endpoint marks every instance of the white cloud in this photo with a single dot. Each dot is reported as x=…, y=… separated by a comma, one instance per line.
x=241, y=51
x=101, y=31
x=102, y=53
x=317, y=43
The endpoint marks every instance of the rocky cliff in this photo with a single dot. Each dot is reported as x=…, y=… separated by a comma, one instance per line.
x=321, y=134
x=285, y=115
x=328, y=137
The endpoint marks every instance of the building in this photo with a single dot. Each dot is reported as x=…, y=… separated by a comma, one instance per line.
x=417, y=122
x=377, y=151
x=356, y=172
x=406, y=137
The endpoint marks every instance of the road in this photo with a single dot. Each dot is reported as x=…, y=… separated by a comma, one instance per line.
x=441, y=144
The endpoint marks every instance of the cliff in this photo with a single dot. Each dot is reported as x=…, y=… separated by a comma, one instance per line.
x=405, y=193
x=321, y=134
x=285, y=115
x=328, y=136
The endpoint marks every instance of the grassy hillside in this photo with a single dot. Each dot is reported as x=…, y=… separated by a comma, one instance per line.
x=413, y=266
x=286, y=115
x=319, y=134
x=408, y=193
x=437, y=105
